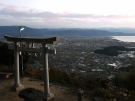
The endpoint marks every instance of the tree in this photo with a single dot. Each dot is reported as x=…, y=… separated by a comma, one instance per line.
x=7, y=56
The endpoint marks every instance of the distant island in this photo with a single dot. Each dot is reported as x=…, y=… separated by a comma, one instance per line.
x=113, y=50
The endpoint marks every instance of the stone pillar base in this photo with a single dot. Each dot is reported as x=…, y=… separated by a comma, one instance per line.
x=16, y=87
x=51, y=95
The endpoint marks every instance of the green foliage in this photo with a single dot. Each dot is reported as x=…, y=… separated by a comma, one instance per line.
x=126, y=80
x=6, y=55
x=127, y=69
x=97, y=92
x=37, y=74
x=131, y=95
x=4, y=68
x=119, y=88
x=113, y=50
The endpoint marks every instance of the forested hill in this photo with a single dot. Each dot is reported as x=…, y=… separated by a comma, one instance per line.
x=14, y=31
x=113, y=50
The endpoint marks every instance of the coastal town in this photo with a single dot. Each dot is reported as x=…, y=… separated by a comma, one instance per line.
x=76, y=55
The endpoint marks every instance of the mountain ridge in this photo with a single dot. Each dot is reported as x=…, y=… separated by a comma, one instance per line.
x=14, y=31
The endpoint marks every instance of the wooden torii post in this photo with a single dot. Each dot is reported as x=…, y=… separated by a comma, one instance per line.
x=44, y=50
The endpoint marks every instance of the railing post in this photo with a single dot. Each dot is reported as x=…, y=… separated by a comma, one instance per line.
x=80, y=94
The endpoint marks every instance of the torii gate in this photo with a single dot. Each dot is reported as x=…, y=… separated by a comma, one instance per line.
x=44, y=50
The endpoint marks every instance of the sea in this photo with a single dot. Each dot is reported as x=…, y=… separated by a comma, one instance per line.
x=125, y=38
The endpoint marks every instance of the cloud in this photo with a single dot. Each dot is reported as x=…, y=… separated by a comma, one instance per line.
x=8, y=8
x=34, y=17
x=3, y=5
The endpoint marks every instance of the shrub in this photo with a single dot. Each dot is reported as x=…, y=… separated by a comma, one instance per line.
x=4, y=68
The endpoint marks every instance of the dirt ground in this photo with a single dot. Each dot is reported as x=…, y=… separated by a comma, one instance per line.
x=60, y=93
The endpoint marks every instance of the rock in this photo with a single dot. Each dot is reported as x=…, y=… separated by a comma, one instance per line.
x=31, y=94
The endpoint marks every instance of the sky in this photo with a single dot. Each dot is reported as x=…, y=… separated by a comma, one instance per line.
x=67, y=13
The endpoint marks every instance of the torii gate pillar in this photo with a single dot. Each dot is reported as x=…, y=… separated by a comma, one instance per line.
x=17, y=86
x=45, y=71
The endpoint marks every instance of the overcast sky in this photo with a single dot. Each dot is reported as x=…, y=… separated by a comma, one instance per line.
x=68, y=13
